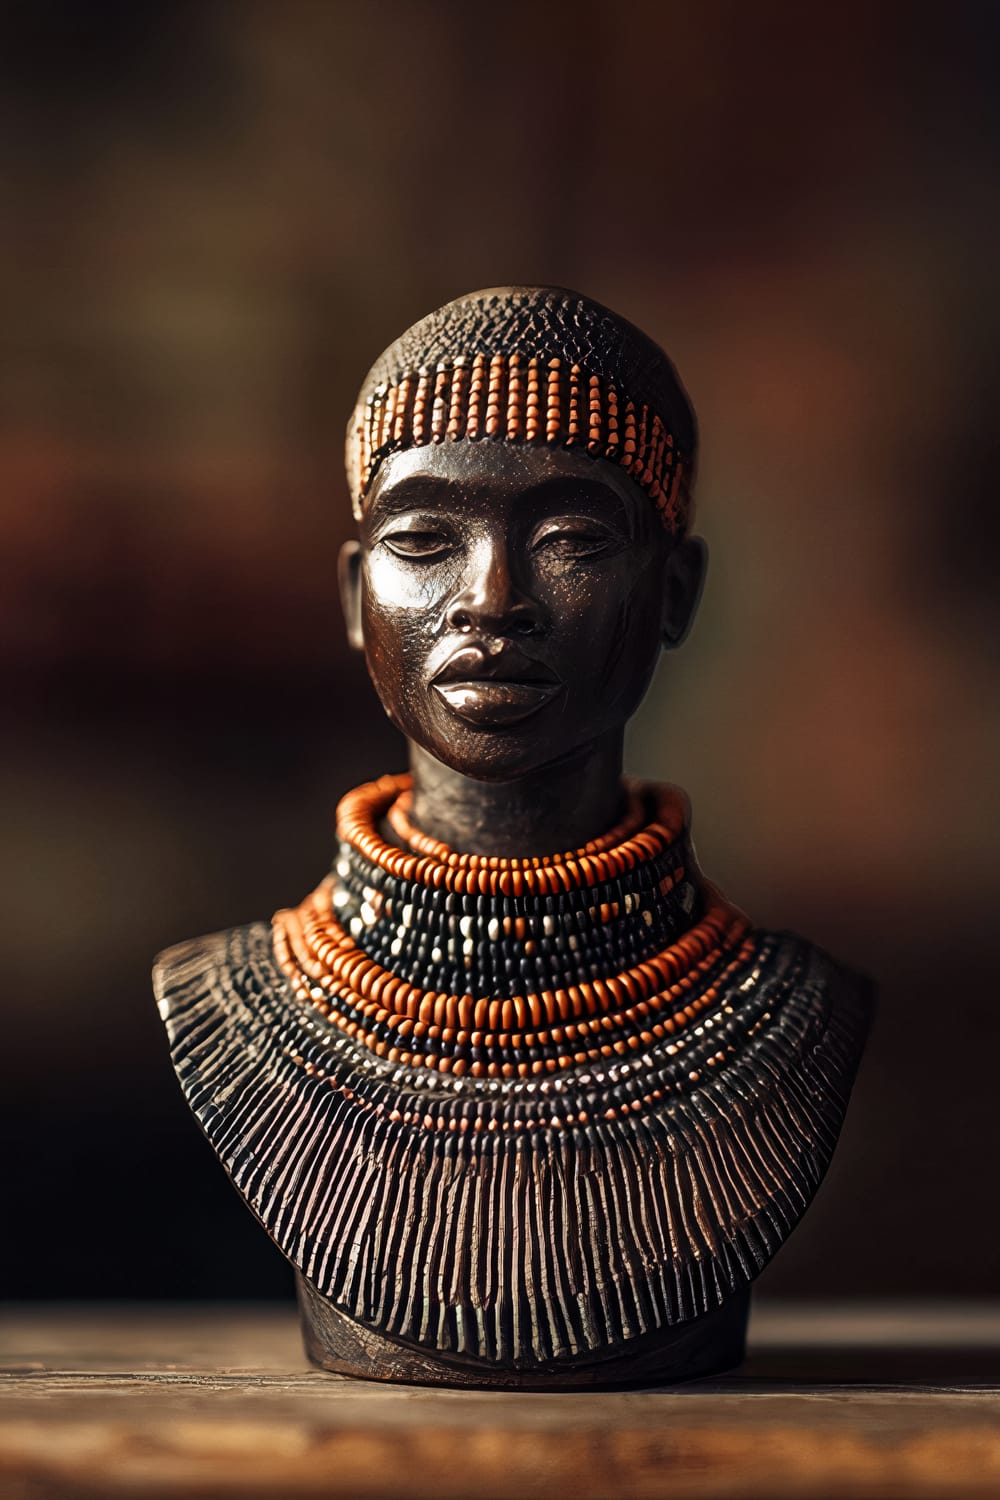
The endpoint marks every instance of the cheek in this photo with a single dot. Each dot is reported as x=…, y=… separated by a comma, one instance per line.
x=609, y=634
x=398, y=608
x=398, y=615
x=611, y=616
x=397, y=588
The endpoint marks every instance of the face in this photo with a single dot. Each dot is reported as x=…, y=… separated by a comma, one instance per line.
x=511, y=601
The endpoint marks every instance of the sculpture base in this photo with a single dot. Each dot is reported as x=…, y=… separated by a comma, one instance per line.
x=706, y=1346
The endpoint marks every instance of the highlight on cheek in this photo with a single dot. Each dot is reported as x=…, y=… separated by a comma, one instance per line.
x=395, y=584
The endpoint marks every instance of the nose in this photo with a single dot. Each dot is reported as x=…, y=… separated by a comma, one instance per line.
x=491, y=600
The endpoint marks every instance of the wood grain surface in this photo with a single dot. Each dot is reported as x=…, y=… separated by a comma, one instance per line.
x=157, y=1401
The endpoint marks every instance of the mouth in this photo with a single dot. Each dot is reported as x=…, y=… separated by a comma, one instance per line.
x=493, y=702
x=492, y=690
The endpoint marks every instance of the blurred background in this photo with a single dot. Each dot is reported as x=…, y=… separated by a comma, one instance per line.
x=216, y=214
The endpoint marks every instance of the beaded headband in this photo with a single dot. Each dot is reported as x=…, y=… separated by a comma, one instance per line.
x=530, y=365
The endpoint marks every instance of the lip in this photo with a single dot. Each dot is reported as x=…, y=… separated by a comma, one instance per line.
x=495, y=702
x=491, y=689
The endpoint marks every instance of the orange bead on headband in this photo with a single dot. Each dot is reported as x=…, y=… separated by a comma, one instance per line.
x=530, y=365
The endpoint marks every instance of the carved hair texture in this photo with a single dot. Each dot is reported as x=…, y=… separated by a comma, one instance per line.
x=530, y=365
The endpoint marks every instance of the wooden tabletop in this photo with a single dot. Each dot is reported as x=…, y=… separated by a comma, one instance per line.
x=845, y=1401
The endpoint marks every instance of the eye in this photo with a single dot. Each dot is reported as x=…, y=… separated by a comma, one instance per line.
x=418, y=544
x=575, y=538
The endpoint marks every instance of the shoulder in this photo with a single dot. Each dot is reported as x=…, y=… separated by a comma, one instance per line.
x=818, y=973
x=193, y=958
x=809, y=1012
x=221, y=970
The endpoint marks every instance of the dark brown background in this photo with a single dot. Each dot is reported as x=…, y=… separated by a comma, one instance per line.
x=215, y=216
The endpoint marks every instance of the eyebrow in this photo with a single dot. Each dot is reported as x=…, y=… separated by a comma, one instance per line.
x=416, y=490
x=409, y=492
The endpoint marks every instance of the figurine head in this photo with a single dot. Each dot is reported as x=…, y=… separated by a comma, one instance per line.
x=520, y=465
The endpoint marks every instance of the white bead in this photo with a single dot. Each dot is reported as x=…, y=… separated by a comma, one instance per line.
x=548, y=925
x=493, y=929
x=407, y=916
x=465, y=926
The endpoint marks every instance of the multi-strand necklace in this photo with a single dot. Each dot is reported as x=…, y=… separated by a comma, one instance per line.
x=509, y=968
x=515, y=1111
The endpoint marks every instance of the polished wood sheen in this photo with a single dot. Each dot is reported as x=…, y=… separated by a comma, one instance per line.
x=526, y=1101
x=705, y=1346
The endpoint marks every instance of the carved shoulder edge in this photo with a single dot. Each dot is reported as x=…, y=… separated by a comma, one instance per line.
x=833, y=1002
x=208, y=964
x=178, y=966
x=849, y=990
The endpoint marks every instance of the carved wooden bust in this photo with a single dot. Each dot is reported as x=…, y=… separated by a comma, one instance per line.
x=524, y=1099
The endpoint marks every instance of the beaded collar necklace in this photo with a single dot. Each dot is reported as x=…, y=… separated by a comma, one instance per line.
x=508, y=968
x=516, y=1111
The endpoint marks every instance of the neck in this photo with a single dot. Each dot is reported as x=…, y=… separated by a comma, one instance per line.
x=552, y=810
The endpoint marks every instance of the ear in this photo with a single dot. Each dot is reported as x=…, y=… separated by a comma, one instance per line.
x=685, y=577
x=349, y=579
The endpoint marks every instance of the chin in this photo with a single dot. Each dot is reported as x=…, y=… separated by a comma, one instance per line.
x=495, y=763
x=492, y=754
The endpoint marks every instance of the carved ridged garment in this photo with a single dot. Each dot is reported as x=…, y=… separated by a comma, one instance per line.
x=520, y=1222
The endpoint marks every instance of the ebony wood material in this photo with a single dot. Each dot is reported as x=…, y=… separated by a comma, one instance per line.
x=525, y=1253
x=706, y=1346
x=523, y=1199
x=842, y=1403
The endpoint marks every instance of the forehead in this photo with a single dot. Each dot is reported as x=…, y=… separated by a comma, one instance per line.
x=490, y=475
